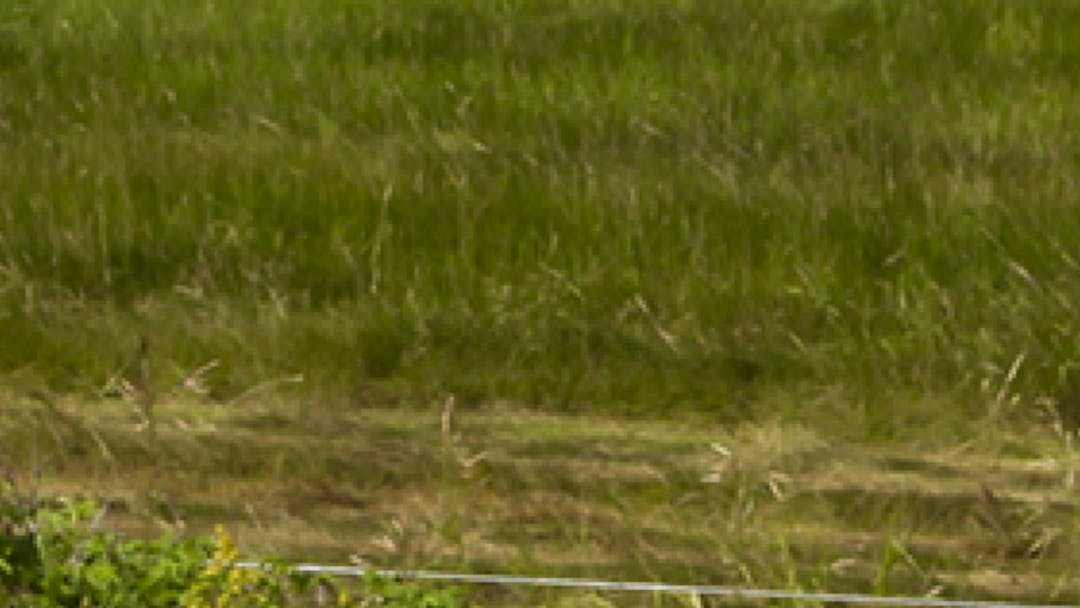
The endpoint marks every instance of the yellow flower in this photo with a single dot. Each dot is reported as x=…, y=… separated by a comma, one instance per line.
x=226, y=547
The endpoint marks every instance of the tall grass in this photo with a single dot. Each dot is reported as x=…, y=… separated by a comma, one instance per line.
x=829, y=208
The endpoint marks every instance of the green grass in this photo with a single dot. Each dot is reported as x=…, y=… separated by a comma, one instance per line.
x=853, y=217
x=636, y=206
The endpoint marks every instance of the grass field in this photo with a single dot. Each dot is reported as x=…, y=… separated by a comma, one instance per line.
x=502, y=489
x=854, y=221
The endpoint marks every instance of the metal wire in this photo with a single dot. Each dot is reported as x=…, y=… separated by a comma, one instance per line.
x=738, y=593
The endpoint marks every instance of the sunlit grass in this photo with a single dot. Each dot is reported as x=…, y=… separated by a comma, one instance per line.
x=507, y=490
x=623, y=205
x=823, y=236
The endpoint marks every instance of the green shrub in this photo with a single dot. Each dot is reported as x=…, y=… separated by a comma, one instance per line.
x=55, y=555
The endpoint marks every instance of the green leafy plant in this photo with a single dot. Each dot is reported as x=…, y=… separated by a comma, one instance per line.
x=54, y=554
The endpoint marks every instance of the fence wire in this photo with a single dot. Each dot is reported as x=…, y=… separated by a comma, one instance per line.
x=733, y=593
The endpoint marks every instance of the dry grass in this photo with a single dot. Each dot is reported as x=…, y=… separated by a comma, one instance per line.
x=503, y=489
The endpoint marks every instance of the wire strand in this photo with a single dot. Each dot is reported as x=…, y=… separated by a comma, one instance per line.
x=743, y=593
